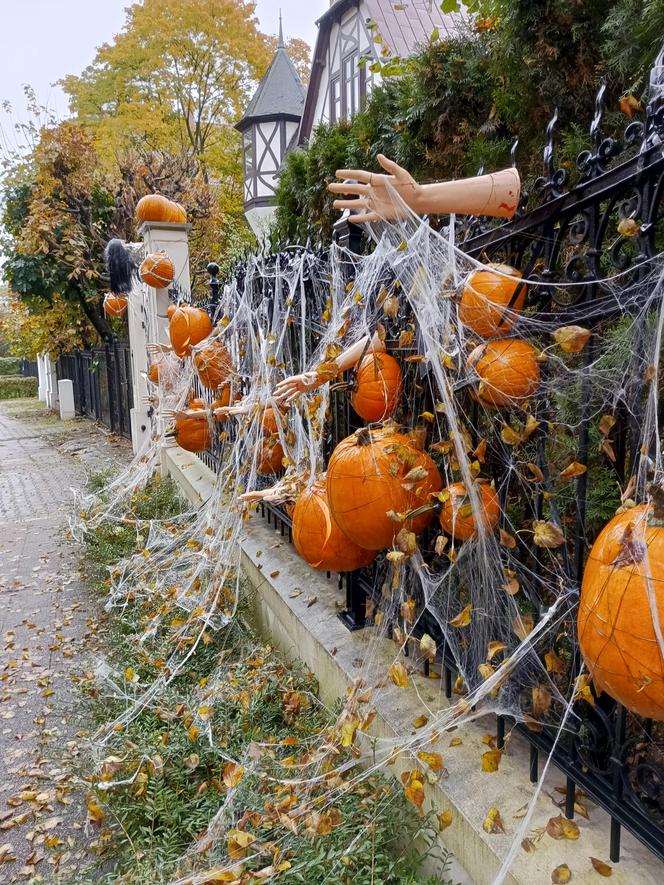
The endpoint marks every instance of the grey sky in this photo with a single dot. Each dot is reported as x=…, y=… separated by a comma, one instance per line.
x=43, y=40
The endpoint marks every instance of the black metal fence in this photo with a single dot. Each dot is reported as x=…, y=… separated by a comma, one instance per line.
x=102, y=384
x=29, y=369
x=571, y=234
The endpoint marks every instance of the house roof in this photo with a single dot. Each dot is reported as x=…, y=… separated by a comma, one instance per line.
x=402, y=30
x=280, y=93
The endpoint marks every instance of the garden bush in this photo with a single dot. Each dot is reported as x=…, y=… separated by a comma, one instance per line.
x=17, y=387
x=10, y=365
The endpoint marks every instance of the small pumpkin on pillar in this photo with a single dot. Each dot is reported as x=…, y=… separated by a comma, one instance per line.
x=157, y=270
x=115, y=305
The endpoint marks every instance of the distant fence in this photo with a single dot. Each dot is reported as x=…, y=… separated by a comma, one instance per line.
x=29, y=369
x=102, y=384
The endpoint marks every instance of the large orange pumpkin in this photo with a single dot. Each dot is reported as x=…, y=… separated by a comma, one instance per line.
x=157, y=270
x=170, y=310
x=488, y=304
x=115, y=305
x=268, y=418
x=154, y=207
x=367, y=476
x=616, y=630
x=213, y=363
x=178, y=213
x=378, y=387
x=193, y=434
x=457, y=517
x=188, y=326
x=319, y=540
x=270, y=455
x=508, y=372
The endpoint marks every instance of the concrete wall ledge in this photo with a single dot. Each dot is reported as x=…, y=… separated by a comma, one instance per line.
x=312, y=632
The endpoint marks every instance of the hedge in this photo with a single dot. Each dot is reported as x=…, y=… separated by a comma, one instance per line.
x=17, y=387
x=10, y=365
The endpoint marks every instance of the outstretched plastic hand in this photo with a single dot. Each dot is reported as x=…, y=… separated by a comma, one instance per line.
x=288, y=390
x=496, y=194
x=157, y=349
x=374, y=192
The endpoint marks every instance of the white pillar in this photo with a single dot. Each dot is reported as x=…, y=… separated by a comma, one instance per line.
x=41, y=374
x=51, y=382
x=66, y=398
x=148, y=321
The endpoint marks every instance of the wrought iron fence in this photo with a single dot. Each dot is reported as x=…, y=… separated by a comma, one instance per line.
x=102, y=384
x=29, y=369
x=564, y=234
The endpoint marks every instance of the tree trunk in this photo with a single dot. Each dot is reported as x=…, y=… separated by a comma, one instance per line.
x=100, y=325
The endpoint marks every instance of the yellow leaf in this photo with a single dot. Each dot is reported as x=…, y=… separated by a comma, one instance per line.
x=571, y=339
x=628, y=227
x=561, y=828
x=583, y=689
x=493, y=822
x=428, y=646
x=510, y=436
x=561, y=875
x=507, y=540
x=547, y=534
x=232, y=774
x=606, y=424
x=536, y=472
x=444, y=820
x=237, y=843
x=523, y=625
x=456, y=742
x=463, y=618
x=572, y=470
x=554, y=663
x=420, y=722
x=398, y=674
x=433, y=760
x=348, y=730
x=414, y=792
x=95, y=812
x=494, y=648
x=129, y=675
x=491, y=760
x=602, y=868
x=531, y=426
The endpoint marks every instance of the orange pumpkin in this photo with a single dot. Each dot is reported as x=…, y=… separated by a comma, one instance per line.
x=378, y=387
x=153, y=373
x=269, y=423
x=213, y=363
x=170, y=310
x=270, y=455
x=154, y=207
x=223, y=400
x=457, y=517
x=615, y=622
x=196, y=403
x=488, y=304
x=189, y=325
x=178, y=213
x=508, y=372
x=157, y=270
x=367, y=476
x=319, y=540
x=115, y=305
x=193, y=434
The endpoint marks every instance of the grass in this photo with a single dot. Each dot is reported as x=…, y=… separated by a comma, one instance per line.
x=235, y=700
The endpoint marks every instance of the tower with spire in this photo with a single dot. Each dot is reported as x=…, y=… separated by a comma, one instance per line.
x=269, y=127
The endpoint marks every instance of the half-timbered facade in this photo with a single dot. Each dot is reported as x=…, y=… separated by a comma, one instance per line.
x=373, y=30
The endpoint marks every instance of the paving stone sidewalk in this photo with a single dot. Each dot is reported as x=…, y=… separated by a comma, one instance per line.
x=49, y=631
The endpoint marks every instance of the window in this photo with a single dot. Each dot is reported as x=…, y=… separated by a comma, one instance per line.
x=348, y=89
x=335, y=99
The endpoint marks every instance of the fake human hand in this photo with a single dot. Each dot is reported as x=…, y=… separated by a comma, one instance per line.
x=374, y=192
x=288, y=390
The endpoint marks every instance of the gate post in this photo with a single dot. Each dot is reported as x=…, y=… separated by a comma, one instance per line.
x=41, y=375
x=147, y=318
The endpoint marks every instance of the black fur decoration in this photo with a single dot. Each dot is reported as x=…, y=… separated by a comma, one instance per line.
x=122, y=268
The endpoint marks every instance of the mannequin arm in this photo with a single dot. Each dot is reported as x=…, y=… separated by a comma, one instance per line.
x=496, y=194
x=290, y=388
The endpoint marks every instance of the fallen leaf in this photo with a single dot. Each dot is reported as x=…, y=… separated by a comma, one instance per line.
x=444, y=820
x=572, y=470
x=561, y=828
x=536, y=472
x=628, y=227
x=561, y=875
x=507, y=540
x=632, y=550
x=602, y=868
x=510, y=436
x=554, y=663
x=463, y=618
x=491, y=760
x=541, y=700
x=232, y=774
x=523, y=625
x=495, y=646
x=628, y=104
x=414, y=792
x=428, y=647
x=493, y=822
x=433, y=760
x=606, y=424
x=398, y=674
x=571, y=339
x=420, y=722
x=547, y=534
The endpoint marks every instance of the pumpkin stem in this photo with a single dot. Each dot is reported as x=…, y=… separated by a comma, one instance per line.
x=425, y=508
x=363, y=436
x=656, y=492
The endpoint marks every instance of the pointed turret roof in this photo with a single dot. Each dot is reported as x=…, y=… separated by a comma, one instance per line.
x=280, y=93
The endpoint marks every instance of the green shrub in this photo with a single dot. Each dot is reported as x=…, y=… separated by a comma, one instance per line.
x=10, y=365
x=17, y=387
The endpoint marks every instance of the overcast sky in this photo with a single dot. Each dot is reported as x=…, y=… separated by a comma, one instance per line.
x=43, y=40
